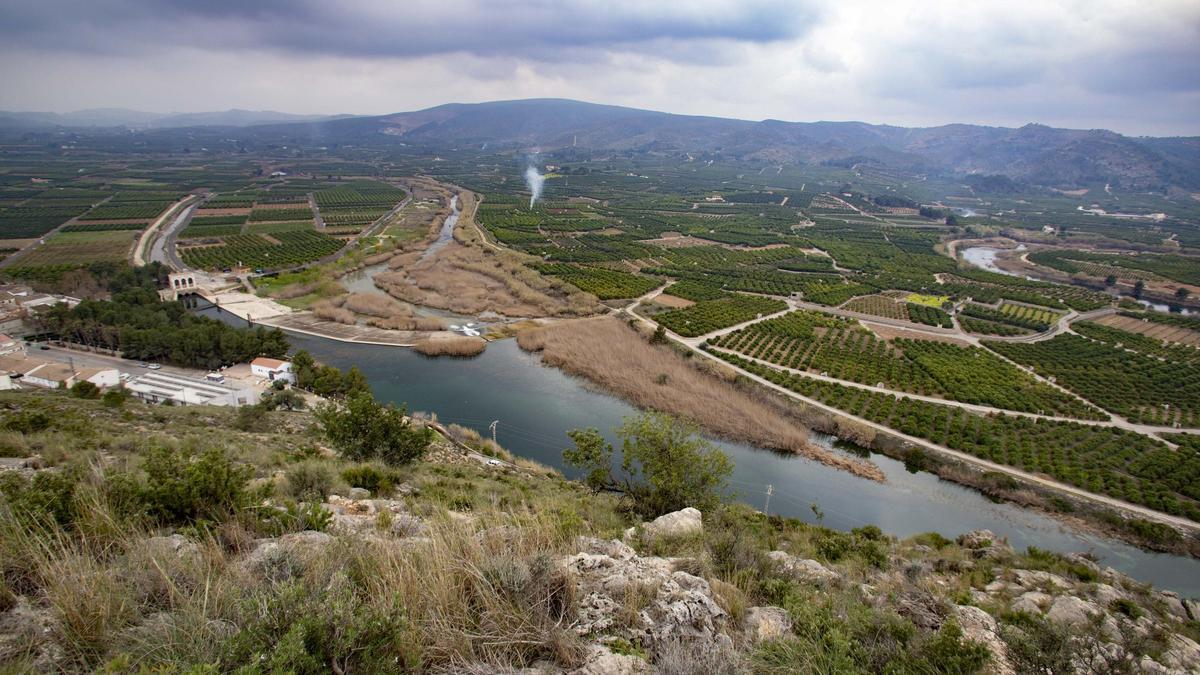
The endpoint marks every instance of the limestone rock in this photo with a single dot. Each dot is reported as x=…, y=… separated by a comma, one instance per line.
x=678, y=524
x=358, y=493
x=766, y=623
x=801, y=569
x=1072, y=611
x=601, y=661
x=984, y=544
x=1182, y=655
x=176, y=544
x=1174, y=605
x=281, y=559
x=1032, y=602
x=979, y=626
x=1037, y=579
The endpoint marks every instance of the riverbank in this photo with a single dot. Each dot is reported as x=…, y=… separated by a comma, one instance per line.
x=536, y=404
x=616, y=357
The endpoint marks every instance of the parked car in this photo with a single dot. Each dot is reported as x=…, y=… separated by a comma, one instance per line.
x=143, y=364
x=154, y=366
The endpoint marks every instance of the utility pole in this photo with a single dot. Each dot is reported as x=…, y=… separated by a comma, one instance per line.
x=767, y=503
x=492, y=426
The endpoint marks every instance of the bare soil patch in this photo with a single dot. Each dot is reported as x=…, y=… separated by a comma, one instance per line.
x=610, y=353
x=672, y=301
x=200, y=213
x=1177, y=334
x=886, y=332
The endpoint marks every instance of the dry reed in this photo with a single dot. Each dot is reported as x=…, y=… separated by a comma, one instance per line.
x=450, y=346
x=612, y=354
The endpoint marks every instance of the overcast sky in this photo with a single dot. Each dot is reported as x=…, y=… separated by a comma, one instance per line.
x=1131, y=66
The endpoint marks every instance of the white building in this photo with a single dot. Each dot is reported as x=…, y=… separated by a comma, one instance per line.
x=272, y=369
x=10, y=345
x=62, y=375
x=159, y=387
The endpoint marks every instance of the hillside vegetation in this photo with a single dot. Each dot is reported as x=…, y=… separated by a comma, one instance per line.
x=152, y=539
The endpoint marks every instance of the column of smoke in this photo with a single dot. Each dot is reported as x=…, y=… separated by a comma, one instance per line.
x=535, y=181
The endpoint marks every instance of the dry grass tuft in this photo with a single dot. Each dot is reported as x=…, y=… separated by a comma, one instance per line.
x=613, y=354
x=330, y=312
x=377, y=305
x=450, y=346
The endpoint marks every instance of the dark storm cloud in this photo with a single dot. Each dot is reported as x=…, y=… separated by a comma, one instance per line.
x=540, y=30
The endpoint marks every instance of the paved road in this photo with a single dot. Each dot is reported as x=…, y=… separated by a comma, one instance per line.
x=163, y=247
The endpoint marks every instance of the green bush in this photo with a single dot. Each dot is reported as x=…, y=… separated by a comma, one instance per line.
x=85, y=389
x=28, y=421
x=115, y=398
x=47, y=497
x=379, y=481
x=363, y=429
x=665, y=465
x=309, y=481
x=181, y=488
x=251, y=418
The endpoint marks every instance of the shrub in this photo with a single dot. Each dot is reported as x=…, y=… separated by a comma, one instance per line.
x=115, y=398
x=378, y=481
x=85, y=389
x=182, y=489
x=309, y=481
x=47, y=497
x=665, y=464
x=28, y=421
x=251, y=418
x=363, y=429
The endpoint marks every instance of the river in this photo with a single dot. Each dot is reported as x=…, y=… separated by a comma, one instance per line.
x=536, y=405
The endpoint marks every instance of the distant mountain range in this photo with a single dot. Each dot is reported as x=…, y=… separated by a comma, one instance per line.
x=1031, y=155
x=138, y=119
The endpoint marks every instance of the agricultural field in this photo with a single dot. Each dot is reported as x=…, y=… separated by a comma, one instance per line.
x=1018, y=316
x=928, y=300
x=1141, y=266
x=710, y=315
x=1142, y=388
x=1151, y=325
x=1142, y=344
x=277, y=214
x=840, y=348
x=604, y=283
x=282, y=250
x=1103, y=460
x=74, y=249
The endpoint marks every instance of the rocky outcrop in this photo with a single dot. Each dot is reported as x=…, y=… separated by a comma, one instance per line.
x=979, y=626
x=804, y=570
x=680, y=523
x=766, y=623
x=644, y=600
x=362, y=516
x=984, y=544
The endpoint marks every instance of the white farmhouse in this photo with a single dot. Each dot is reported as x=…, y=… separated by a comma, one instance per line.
x=272, y=369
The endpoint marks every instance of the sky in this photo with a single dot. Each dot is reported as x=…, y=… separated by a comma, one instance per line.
x=1130, y=66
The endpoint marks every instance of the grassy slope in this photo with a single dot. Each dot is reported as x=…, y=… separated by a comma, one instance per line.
x=467, y=592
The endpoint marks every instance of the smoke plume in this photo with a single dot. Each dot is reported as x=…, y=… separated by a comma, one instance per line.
x=534, y=180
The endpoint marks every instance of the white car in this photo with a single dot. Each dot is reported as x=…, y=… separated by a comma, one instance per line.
x=155, y=366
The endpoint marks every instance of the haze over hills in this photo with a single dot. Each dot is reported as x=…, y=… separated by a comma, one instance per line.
x=1033, y=155
x=138, y=119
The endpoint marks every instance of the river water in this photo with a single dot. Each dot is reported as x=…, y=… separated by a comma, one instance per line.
x=536, y=405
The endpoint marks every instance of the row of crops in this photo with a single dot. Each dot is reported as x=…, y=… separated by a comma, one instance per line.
x=710, y=315
x=604, y=283
x=253, y=250
x=842, y=349
x=1104, y=460
x=1142, y=388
